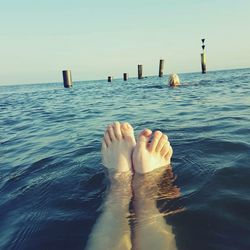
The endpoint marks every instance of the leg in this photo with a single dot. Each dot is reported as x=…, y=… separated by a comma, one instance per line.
x=150, y=161
x=112, y=230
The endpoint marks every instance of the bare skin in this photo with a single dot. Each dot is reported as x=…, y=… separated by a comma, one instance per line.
x=117, y=147
x=122, y=156
x=112, y=230
x=150, y=159
x=148, y=156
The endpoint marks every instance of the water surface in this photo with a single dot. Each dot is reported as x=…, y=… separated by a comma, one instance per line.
x=52, y=183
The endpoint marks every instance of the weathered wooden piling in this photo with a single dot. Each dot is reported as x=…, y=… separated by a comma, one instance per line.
x=203, y=58
x=161, y=66
x=140, y=71
x=109, y=78
x=125, y=76
x=203, y=63
x=67, y=78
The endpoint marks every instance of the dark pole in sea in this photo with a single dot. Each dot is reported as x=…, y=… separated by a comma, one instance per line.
x=203, y=58
x=67, y=78
x=161, y=65
x=139, y=71
x=125, y=76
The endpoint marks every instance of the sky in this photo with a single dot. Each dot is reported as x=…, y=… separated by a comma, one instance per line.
x=95, y=39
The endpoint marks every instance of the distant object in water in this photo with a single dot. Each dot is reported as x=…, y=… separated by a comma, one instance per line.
x=203, y=63
x=161, y=66
x=174, y=80
x=203, y=58
x=125, y=76
x=67, y=78
x=109, y=78
x=140, y=71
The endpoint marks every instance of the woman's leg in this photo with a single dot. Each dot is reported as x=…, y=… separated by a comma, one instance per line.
x=150, y=159
x=112, y=230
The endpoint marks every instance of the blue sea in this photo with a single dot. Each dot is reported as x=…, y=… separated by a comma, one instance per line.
x=52, y=182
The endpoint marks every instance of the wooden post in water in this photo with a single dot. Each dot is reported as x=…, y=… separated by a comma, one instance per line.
x=109, y=78
x=203, y=58
x=67, y=78
x=125, y=76
x=140, y=71
x=203, y=63
x=161, y=66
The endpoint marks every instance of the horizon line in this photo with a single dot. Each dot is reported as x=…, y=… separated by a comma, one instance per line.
x=105, y=79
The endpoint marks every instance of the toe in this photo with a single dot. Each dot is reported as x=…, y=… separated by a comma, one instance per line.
x=117, y=130
x=111, y=133
x=161, y=143
x=155, y=141
x=127, y=131
x=169, y=154
x=165, y=149
x=107, y=138
x=144, y=137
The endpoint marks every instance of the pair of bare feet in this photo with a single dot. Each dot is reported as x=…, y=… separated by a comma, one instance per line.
x=123, y=156
x=121, y=152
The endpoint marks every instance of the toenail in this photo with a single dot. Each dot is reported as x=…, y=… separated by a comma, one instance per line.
x=126, y=125
x=158, y=133
x=146, y=132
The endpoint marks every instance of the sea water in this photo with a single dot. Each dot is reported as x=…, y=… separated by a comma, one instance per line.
x=52, y=183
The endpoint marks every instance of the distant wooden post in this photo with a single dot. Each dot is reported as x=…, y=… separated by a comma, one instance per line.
x=203, y=63
x=139, y=71
x=203, y=58
x=125, y=76
x=67, y=78
x=109, y=78
x=161, y=66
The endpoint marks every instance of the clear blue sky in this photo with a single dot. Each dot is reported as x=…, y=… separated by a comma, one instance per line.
x=99, y=38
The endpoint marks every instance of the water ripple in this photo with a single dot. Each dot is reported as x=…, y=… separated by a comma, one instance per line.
x=52, y=185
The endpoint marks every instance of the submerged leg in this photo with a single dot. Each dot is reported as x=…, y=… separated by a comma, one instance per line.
x=150, y=160
x=112, y=230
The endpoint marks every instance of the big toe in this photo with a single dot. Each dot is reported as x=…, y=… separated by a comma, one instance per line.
x=127, y=131
x=144, y=137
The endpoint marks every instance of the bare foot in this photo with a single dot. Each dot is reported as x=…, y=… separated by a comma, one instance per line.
x=150, y=156
x=117, y=147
